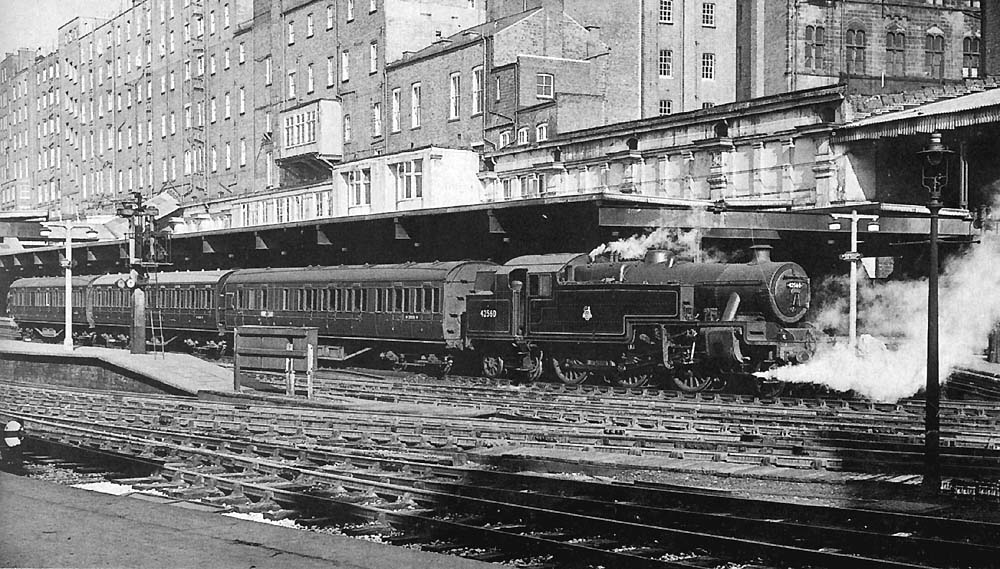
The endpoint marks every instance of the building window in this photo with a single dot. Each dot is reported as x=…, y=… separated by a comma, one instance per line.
x=542, y=132
x=895, y=53
x=455, y=96
x=376, y=119
x=225, y=16
x=666, y=106
x=309, y=26
x=970, y=56
x=291, y=84
x=345, y=65
x=243, y=100
x=497, y=85
x=310, y=80
x=666, y=63
x=855, y=51
x=409, y=179
x=359, y=187
x=211, y=110
x=666, y=11
x=477, y=90
x=243, y=53
x=291, y=33
x=372, y=5
x=225, y=58
x=708, y=66
x=214, y=159
x=329, y=18
x=934, y=55
x=350, y=10
x=331, y=72
x=522, y=135
x=505, y=138
x=415, y=105
x=227, y=107
x=815, y=44
x=211, y=22
x=211, y=64
x=347, y=128
x=243, y=152
x=229, y=156
x=708, y=14
x=544, y=86
x=373, y=57
x=394, y=121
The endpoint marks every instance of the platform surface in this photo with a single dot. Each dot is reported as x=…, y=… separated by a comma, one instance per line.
x=179, y=371
x=47, y=525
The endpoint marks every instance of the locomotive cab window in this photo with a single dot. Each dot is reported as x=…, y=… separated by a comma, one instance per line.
x=540, y=285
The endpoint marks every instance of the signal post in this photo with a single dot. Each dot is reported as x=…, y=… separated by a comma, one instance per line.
x=145, y=252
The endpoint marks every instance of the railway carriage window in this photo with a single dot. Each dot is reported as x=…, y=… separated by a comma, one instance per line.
x=436, y=300
x=360, y=299
x=408, y=300
x=324, y=299
x=419, y=304
x=398, y=294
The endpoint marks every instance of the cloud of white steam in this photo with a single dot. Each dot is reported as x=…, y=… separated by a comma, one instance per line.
x=897, y=312
x=678, y=241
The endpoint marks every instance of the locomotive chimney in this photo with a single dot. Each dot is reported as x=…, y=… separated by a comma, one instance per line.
x=761, y=254
x=656, y=256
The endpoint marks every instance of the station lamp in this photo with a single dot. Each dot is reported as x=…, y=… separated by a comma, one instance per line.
x=934, y=177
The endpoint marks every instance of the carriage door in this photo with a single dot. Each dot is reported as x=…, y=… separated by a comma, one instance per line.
x=519, y=304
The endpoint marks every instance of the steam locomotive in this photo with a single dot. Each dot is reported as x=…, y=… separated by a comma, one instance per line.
x=695, y=325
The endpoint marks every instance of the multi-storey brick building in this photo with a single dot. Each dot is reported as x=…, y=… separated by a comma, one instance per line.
x=668, y=56
x=872, y=45
x=18, y=120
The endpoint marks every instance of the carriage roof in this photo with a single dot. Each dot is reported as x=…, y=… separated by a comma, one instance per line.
x=438, y=271
x=169, y=278
x=47, y=282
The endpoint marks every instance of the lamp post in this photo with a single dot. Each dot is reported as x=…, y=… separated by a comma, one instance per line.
x=854, y=258
x=68, y=265
x=934, y=176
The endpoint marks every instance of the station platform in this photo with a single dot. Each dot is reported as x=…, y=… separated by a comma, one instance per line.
x=169, y=372
x=43, y=524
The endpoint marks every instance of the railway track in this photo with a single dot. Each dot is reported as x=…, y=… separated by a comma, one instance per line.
x=510, y=517
x=805, y=438
x=800, y=438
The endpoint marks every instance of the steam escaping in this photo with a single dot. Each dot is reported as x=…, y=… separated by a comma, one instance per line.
x=680, y=242
x=897, y=311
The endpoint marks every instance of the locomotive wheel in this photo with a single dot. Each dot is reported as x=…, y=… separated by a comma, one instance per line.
x=637, y=379
x=569, y=376
x=493, y=366
x=535, y=373
x=768, y=388
x=688, y=382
